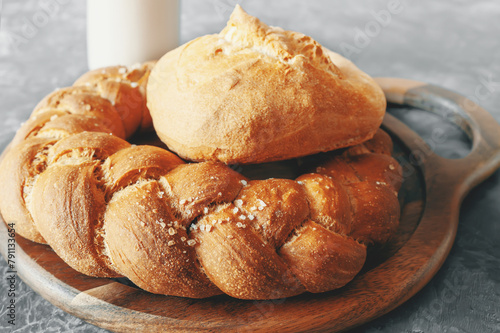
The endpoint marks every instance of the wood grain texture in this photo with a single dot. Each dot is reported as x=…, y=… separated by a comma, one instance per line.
x=430, y=198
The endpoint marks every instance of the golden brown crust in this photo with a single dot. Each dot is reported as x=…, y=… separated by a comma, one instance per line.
x=150, y=247
x=323, y=260
x=274, y=207
x=99, y=145
x=328, y=202
x=125, y=88
x=109, y=208
x=239, y=262
x=18, y=170
x=194, y=188
x=254, y=93
x=200, y=229
x=128, y=165
x=69, y=219
x=377, y=212
x=83, y=101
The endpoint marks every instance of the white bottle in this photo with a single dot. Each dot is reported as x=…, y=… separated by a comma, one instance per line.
x=125, y=32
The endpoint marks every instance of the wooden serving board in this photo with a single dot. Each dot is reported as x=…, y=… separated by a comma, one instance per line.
x=432, y=192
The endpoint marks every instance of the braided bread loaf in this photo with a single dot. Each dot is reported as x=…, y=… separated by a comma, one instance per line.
x=110, y=209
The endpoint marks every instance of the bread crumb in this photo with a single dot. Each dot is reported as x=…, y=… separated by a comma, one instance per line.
x=171, y=243
x=171, y=231
x=392, y=167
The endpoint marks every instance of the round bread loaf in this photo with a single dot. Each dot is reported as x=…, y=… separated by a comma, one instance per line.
x=254, y=93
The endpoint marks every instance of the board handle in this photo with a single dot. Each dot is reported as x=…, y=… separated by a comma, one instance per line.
x=482, y=129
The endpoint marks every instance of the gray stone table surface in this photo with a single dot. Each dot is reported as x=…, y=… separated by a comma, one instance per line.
x=454, y=44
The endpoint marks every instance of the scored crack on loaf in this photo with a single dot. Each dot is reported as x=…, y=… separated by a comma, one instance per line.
x=255, y=93
x=111, y=209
